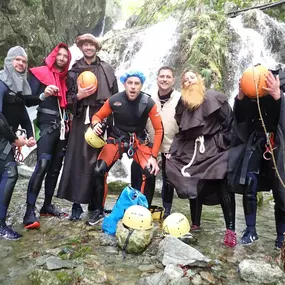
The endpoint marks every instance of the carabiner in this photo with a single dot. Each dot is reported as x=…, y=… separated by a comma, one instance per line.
x=131, y=152
x=267, y=153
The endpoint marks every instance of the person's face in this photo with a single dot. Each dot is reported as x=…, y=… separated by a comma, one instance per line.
x=133, y=87
x=20, y=63
x=189, y=78
x=61, y=58
x=165, y=80
x=89, y=50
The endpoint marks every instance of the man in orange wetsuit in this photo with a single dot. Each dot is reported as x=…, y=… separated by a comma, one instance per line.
x=131, y=110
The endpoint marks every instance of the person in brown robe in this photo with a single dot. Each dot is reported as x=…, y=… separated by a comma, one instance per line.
x=197, y=163
x=76, y=183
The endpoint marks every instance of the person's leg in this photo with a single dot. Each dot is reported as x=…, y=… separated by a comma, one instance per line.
x=9, y=176
x=45, y=146
x=142, y=156
x=136, y=175
x=250, y=208
x=279, y=211
x=107, y=157
x=229, y=208
x=53, y=171
x=196, y=212
x=167, y=189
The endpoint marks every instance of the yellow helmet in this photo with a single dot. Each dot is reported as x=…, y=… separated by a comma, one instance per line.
x=93, y=140
x=176, y=225
x=138, y=218
x=157, y=212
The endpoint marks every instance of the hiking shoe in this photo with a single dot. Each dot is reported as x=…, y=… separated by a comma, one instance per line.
x=30, y=221
x=230, y=238
x=76, y=212
x=249, y=237
x=96, y=217
x=52, y=210
x=8, y=233
x=195, y=228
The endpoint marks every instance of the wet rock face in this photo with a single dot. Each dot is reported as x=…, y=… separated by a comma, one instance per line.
x=39, y=25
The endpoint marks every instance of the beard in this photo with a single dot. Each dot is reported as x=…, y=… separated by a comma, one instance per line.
x=193, y=95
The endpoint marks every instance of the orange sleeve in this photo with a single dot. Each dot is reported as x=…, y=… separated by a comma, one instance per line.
x=158, y=130
x=104, y=112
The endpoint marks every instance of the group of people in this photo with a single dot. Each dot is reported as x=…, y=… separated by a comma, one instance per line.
x=208, y=152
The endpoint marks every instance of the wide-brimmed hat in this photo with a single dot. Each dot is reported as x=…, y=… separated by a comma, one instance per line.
x=90, y=39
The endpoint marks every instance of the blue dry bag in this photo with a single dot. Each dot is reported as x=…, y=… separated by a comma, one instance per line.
x=127, y=198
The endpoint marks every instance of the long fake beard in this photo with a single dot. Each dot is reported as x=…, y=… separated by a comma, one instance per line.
x=193, y=95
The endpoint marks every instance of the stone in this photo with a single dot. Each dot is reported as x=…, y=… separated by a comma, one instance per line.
x=207, y=276
x=147, y=268
x=197, y=280
x=160, y=278
x=260, y=272
x=173, y=271
x=54, y=263
x=173, y=251
x=180, y=281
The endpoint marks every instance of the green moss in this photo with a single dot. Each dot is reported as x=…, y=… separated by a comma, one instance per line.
x=64, y=277
x=117, y=186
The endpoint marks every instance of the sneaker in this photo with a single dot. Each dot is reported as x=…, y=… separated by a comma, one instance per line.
x=8, y=233
x=230, y=238
x=96, y=217
x=76, y=212
x=30, y=221
x=52, y=210
x=249, y=237
x=195, y=228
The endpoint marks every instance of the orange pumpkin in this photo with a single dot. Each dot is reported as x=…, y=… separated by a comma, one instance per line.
x=253, y=80
x=86, y=79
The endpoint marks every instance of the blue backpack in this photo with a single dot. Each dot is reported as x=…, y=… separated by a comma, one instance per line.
x=127, y=198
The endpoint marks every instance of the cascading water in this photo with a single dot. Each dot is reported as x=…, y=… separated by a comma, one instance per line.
x=251, y=47
x=153, y=53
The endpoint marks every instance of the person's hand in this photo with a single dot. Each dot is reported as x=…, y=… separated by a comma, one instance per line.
x=85, y=92
x=153, y=165
x=97, y=129
x=240, y=95
x=51, y=90
x=20, y=141
x=31, y=142
x=273, y=86
x=167, y=155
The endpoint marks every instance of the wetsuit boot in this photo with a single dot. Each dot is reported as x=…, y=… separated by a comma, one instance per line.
x=250, y=208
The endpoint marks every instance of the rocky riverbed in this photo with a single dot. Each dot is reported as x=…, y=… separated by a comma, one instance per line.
x=64, y=252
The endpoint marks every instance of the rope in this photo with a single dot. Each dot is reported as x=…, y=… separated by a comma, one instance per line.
x=201, y=150
x=266, y=133
x=62, y=125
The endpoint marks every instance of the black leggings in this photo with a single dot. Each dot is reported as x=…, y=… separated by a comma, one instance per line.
x=50, y=154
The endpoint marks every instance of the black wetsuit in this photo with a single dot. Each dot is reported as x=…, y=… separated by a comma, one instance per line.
x=12, y=114
x=50, y=149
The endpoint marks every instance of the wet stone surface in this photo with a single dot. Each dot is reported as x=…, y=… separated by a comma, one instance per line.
x=64, y=252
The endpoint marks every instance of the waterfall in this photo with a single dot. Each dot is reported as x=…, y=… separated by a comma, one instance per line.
x=155, y=45
x=251, y=46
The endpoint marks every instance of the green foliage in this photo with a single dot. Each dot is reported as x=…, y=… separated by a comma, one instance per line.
x=206, y=49
x=63, y=277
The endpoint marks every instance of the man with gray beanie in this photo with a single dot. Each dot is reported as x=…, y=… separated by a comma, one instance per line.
x=15, y=92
